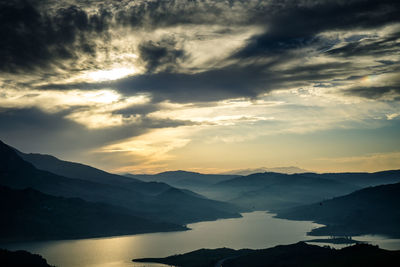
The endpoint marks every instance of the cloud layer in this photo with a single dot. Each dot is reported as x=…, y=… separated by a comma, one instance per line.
x=98, y=74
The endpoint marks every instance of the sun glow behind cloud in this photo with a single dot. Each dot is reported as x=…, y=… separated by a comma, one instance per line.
x=222, y=126
x=109, y=75
x=53, y=100
x=152, y=150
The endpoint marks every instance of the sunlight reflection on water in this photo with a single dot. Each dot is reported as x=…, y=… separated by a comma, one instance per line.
x=254, y=230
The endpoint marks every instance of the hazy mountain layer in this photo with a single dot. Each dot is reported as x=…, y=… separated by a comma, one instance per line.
x=362, y=179
x=270, y=191
x=184, y=179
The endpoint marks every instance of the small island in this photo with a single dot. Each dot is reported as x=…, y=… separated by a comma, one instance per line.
x=335, y=240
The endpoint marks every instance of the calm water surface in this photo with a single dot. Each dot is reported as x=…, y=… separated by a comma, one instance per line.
x=254, y=230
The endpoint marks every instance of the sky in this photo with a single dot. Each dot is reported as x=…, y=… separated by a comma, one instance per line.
x=210, y=86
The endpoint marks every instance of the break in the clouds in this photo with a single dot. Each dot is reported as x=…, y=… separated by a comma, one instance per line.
x=156, y=85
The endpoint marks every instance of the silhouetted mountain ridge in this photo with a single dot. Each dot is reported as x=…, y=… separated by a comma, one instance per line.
x=83, y=172
x=373, y=210
x=32, y=215
x=138, y=197
x=286, y=170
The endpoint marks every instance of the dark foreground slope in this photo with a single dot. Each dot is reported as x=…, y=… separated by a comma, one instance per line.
x=198, y=258
x=21, y=258
x=31, y=215
x=141, y=198
x=373, y=210
x=296, y=255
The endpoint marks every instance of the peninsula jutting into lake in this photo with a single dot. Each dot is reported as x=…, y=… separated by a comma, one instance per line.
x=299, y=254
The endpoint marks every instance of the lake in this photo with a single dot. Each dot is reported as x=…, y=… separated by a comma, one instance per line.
x=254, y=230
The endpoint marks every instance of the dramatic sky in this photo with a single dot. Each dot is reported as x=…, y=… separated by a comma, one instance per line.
x=204, y=85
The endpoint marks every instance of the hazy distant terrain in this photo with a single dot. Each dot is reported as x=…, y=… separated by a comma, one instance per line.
x=184, y=179
x=299, y=255
x=361, y=179
x=268, y=191
x=271, y=190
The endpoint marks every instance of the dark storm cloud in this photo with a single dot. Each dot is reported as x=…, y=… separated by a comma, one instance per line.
x=295, y=24
x=41, y=34
x=46, y=130
x=46, y=45
x=160, y=55
x=182, y=87
x=375, y=92
x=369, y=46
x=71, y=86
x=289, y=25
x=31, y=38
x=53, y=132
x=218, y=84
x=138, y=109
x=34, y=36
x=153, y=14
x=205, y=86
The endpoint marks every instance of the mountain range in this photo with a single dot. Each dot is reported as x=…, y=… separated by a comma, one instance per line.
x=287, y=170
x=272, y=190
x=153, y=202
x=183, y=179
x=65, y=193
x=269, y=191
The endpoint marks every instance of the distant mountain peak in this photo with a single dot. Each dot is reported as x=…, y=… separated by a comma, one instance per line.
x=286, y=170
x=179, y=172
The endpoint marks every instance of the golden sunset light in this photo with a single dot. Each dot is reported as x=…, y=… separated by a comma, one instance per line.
x=200, y=133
